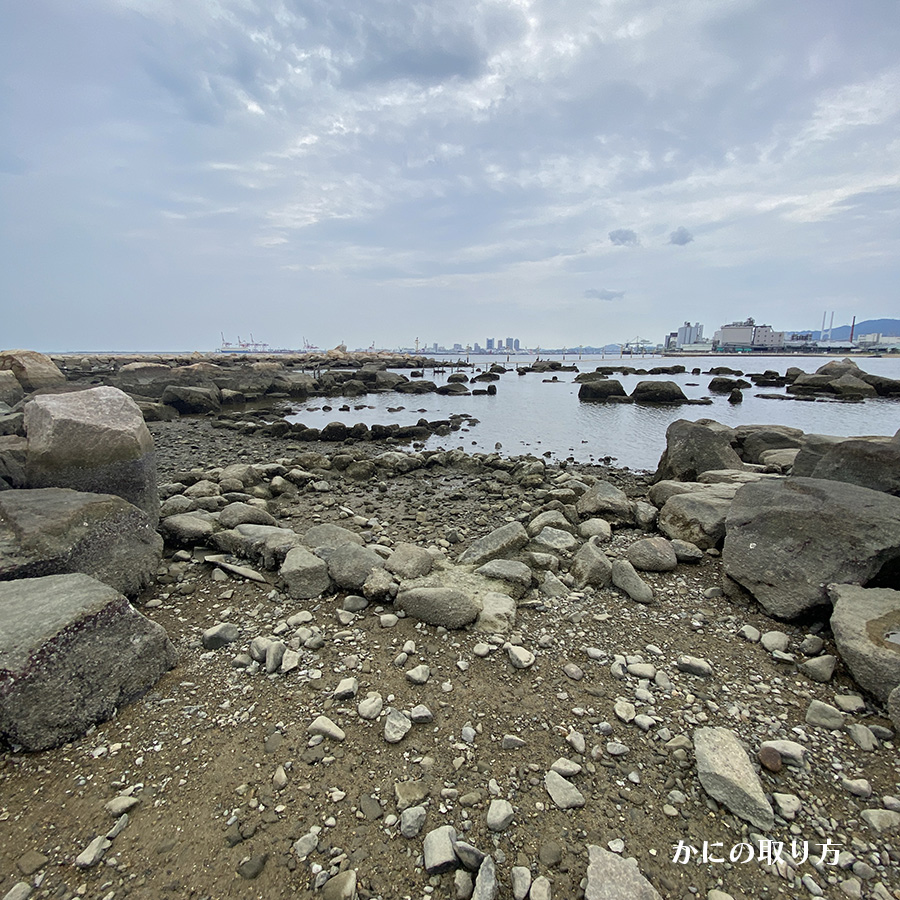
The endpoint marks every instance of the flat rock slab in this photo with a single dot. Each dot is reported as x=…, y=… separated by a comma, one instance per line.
x=727, y=776
x=72, y=650
x=56, y=531
x=788, y=539
x=609, y=877
x=94, y=440
x=501, y=541
x=866, y=626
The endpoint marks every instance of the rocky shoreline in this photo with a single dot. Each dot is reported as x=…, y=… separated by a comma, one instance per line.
x=477, y=675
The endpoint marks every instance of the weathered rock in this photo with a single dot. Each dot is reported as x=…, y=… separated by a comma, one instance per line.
x=94, y=440
x=187, y=529
x=220, y=635
x=305, y=575
x=438, y=852
x=409, y=561
x=486, y=886
x=235, y=514
x=626, y=579
x=34, y=371
x=823, y=715
x=562, y=792
x=10, y=390
x=607, y=501
x=72, y=651
x=866, y=626
x=789, y=538
x=591, y=566
x=609, y=877
x=328, y=535
x=52, y=531
x=726, y=774
x=267, y=545
x=500, y=815
x=501, y=541
x=600, y=389
x=696, y=447
x=439, y=606
x=498, y=613
x=652, y=554
x=819, y=668
x=510, y=571
x=396, y=726
x=658, y=392
x=698, y=518
x=350, y=565
x=192, y=400
x=867, y=463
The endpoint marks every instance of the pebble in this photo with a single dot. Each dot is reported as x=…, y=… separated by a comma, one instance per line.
x=520, y=876
x=511, y=742
x=500, y=815
x=566, y=767
x=575, y=740
x=437, y=850
x=824, y=716
x=93, y=853
x=562, y=792
x=775, y=640
x=346, y=689
x=693, y=665
x=419, y=675
x=120, y=805
x=519, y=656
x=421, y=715
x=541, y=889
x=486, y=886
x=770, y=759
x=749, y=633
x=412, y=820
x=370, y=707
x=22, y=890
x=624, y=710
x=576, y=673
x=326, y=728
x=396, y=726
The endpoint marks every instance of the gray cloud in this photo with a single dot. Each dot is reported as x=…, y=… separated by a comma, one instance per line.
x=603, y=294
x=622, y=237
x=680, y=236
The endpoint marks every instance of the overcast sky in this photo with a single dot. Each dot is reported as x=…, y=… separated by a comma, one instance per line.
x=562, y=171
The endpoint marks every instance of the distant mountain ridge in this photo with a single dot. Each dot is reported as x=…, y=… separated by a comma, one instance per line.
x=869, y=326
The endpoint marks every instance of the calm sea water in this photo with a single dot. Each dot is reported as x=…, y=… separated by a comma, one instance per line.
x=530, y=415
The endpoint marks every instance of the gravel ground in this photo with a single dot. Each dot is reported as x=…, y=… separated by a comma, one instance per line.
x=228, y=777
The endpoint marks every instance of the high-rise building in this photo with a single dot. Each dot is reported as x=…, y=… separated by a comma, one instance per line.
x=689, y=334
x=509, y=343
x=516, y=345
x=490, y=343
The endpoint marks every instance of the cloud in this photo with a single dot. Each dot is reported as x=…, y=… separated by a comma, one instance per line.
x=604, y=294
x=680, y=236
x=622, y=237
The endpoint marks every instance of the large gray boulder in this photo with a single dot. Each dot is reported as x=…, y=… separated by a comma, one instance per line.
x=192, y=400
x=34, y=371
x=696, y=447
x=815, y=446
x=866, y=626
x=727, y=775
x=789, y=538
x=51, y=531
x=94, y=440
x=870, y=463
x=72, y=651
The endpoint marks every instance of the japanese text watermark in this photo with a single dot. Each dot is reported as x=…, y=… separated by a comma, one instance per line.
x=763, y=851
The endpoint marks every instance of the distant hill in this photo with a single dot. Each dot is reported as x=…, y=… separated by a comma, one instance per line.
x=869, y=326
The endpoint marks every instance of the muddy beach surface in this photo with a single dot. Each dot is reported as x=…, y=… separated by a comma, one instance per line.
x=236, y=797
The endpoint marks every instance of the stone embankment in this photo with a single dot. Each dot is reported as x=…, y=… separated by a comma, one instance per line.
x=437, y=673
